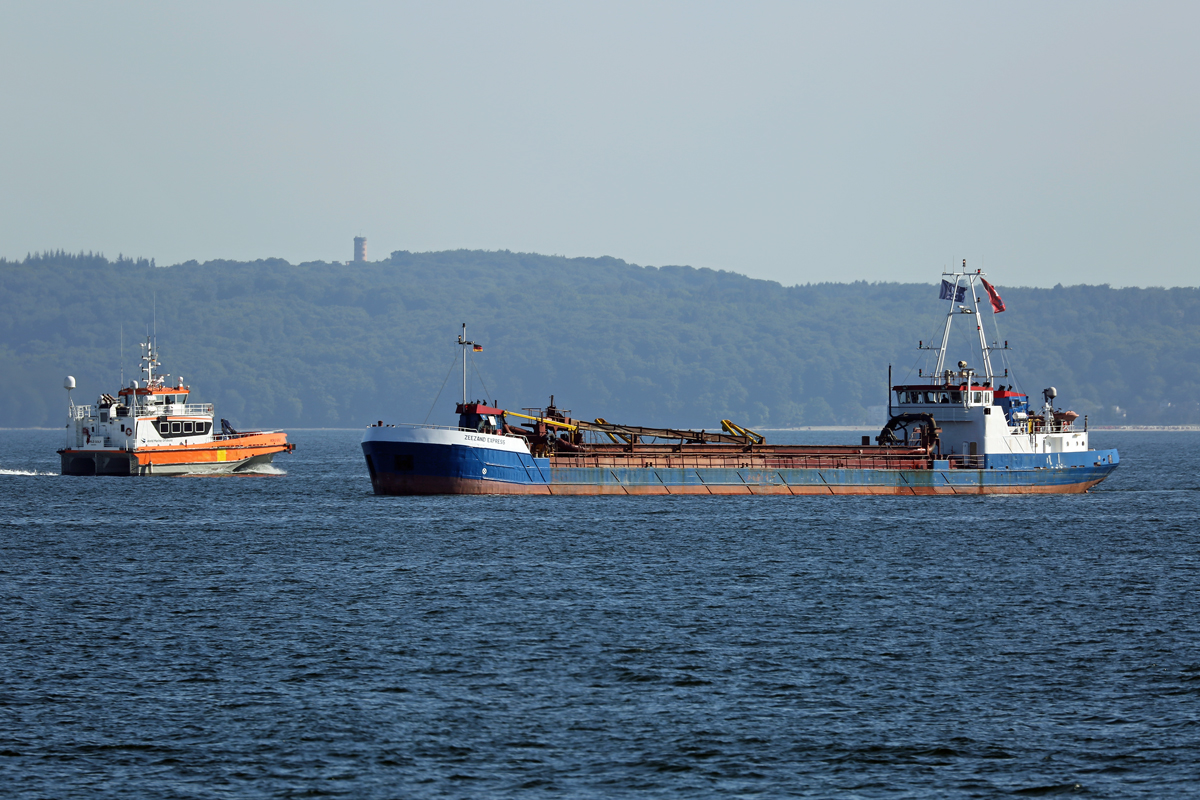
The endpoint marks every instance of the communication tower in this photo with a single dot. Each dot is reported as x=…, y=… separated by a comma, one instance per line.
x=360, y=248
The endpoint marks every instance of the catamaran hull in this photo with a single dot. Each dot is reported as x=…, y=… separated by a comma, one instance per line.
x=414, y=468
x=216, y=458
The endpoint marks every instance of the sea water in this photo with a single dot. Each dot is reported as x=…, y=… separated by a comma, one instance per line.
x=291, y=634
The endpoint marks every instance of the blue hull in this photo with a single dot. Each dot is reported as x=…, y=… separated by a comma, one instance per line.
x=416, y=468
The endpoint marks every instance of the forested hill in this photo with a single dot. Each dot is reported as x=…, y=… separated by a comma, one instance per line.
x=320, y=344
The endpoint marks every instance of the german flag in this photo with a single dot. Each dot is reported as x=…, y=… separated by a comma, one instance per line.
x=477, y=348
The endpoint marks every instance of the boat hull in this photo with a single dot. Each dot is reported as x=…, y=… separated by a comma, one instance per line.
x=224, y=456
x=404, y=467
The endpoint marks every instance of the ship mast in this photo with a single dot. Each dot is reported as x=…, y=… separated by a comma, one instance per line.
x=149, y=361
x=464, y=343
x=969, y=279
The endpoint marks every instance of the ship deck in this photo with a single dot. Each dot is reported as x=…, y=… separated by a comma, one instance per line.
x=718, y=456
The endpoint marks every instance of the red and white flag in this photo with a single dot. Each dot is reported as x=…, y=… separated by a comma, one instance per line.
x=994, y=296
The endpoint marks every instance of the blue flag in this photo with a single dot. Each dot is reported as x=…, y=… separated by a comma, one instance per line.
x=948, y=290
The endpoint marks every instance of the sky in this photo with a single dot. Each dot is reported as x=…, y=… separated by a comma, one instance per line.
x=798, y=142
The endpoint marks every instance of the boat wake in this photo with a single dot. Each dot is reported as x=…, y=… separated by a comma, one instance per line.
x=263, y=469
x=24, y=472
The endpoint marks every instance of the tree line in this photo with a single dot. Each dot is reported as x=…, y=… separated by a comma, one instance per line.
x=337, y=345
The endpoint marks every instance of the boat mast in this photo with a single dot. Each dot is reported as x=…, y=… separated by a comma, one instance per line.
x=941, y=359
x=149, y=360
x=984, y=350
x=464, y=343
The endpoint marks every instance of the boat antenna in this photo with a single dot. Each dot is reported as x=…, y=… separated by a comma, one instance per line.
x=121, y=358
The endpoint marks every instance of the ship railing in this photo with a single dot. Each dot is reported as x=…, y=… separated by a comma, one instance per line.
x=199, y=409
x=1028, y=426
x=967, y=462
x=184, y=409
x=224, y=437
x=81, y=412
x=429, y=426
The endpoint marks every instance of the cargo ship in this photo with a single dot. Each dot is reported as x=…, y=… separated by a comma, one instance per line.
x=957, y=431
x=151, y=428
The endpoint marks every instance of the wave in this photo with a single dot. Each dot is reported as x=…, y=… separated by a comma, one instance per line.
x=24, y=472
x=263, y=469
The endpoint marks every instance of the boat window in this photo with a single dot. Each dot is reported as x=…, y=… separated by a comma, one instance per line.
x=956, y=397
x=977, y=397
x=943, y=397
x=176, y=427
x=187, y=427
x=164, y=427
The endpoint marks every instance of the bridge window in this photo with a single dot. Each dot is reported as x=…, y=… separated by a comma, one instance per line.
x=977, y=397
x=187, y=427
x=176, y=427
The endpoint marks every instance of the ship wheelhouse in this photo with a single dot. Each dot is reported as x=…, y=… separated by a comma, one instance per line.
x=480, y=417
x=958, y=395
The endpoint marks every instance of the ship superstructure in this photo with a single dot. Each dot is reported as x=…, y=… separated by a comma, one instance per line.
x=959, y=431
x=151, y=428
x=984, y=423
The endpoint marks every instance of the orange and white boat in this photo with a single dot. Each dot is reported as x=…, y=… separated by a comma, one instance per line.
x=150, y=428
